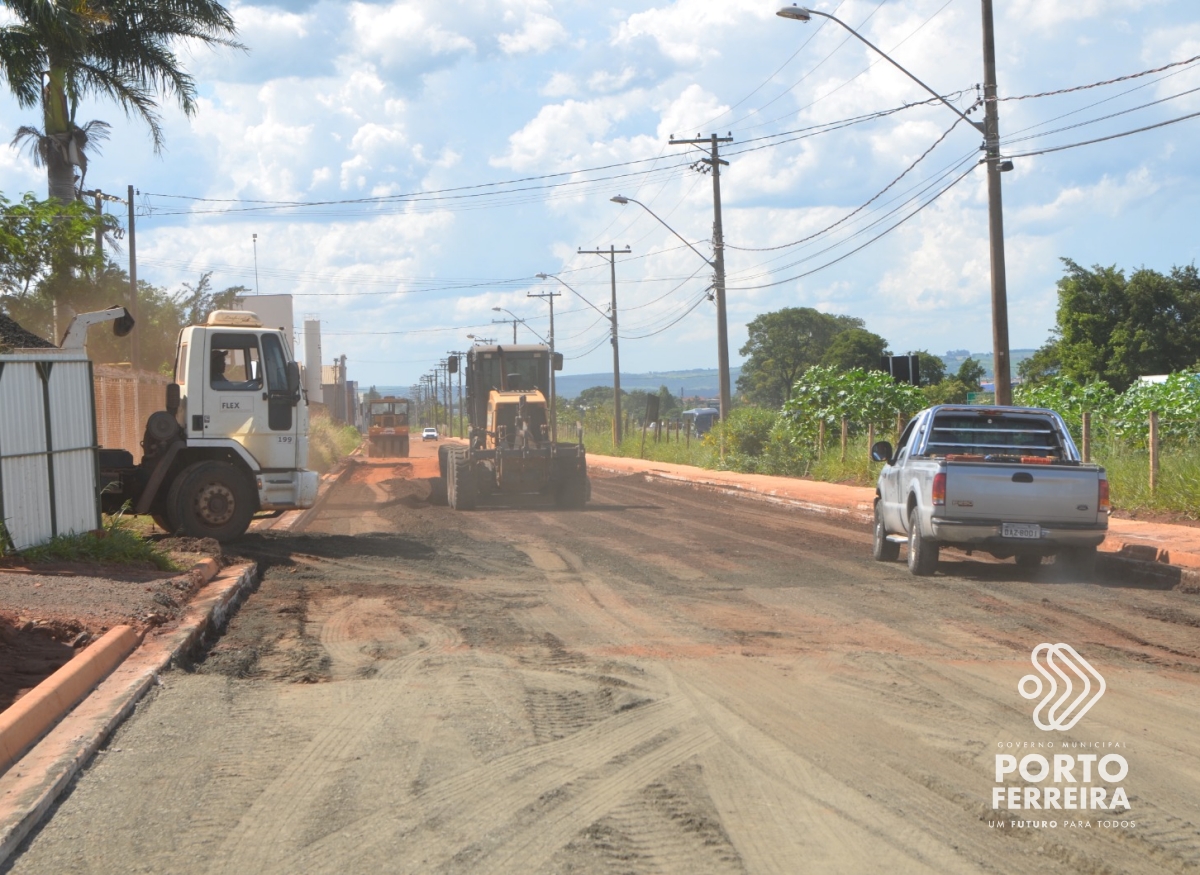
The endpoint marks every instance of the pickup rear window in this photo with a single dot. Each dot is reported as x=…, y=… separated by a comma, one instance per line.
x=994, y=437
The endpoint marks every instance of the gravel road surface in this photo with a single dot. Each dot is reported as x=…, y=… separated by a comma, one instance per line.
x=671, y=681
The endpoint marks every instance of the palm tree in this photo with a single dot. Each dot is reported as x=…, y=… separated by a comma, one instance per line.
x=82, y=141
x=59, y=51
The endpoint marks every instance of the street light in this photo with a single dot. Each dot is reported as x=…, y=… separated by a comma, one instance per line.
x=612, y=322
x=718, y=266
x=514, y=320
x=990, y=128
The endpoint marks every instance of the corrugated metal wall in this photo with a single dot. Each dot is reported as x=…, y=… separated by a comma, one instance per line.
x=48, y=453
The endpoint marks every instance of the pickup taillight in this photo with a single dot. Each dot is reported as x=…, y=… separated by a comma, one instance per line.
x=1105, y=504
x=939, y=489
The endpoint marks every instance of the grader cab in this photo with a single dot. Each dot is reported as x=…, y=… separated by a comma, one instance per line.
x=387, y=427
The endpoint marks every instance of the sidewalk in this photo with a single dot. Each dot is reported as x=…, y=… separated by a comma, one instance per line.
x=1161, y=549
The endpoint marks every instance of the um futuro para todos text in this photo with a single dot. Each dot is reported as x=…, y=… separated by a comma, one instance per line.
x=1062, y=781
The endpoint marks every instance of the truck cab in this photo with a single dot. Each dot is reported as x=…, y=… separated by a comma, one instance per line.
x=233, y=440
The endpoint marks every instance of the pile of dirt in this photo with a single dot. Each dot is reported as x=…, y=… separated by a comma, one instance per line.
x=13, y=336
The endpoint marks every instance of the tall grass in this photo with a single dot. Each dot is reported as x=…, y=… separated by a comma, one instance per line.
x=1178, y=482
x=753, y=451
x=329, y=442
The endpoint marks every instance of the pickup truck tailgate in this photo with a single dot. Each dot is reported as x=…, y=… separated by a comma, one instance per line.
x=1022, y=493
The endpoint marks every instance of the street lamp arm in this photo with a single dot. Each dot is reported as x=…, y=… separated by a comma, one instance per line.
x=550, y=276
x=800, y=13
x=621, y=199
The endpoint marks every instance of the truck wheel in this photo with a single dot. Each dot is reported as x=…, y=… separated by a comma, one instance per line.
x=404, y=448
x=163, y=523
x=883, y=550
x=922, y=552
x=572, y=491
x=462, y=490
x=212, y=500
x=443, y=465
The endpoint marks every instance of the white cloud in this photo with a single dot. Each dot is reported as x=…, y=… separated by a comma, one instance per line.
x=539, y=33
x=560, y=85
x=1106, y=197
x=690, y=31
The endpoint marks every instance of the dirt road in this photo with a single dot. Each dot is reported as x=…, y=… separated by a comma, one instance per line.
x=670, y=681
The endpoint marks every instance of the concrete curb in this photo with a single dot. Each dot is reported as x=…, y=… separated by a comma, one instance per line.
x=34, y=713
x=31, y=786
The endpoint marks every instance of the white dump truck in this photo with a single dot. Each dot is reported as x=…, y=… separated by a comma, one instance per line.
x=233, y=439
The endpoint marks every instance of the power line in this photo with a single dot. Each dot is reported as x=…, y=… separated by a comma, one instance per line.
x=1105, y=139
x=857, y=210
x=879, y=236
x=1161, y=69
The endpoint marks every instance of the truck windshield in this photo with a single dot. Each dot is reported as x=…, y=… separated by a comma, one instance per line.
x=982, y=434
x=532, y=373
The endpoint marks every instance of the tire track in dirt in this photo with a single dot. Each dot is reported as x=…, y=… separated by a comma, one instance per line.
x=266, y=831
x=481, y=799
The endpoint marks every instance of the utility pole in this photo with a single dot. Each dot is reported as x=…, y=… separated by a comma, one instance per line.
x=1001, y=366
x=254, y=238
x=714, y=162
x=461, y=363
x=99, y=230
x=514, y=322
x=550, y=296
x=134, y=345
x=611, y=254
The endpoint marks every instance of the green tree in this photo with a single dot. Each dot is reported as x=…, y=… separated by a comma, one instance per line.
x=1117, y=329
x=1042, y=366
x=970, y=374
x=54, y=53
x=781, y=346
x=932, y=368
x=855, y=348
x=40, y=238
x=597, y=397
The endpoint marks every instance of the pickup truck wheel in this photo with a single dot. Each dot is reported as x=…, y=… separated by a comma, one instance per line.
x=462, y=491
x=922, y=552
x=883, y=550
x=212, y=500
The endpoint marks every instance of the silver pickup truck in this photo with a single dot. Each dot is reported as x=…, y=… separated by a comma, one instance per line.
x=1001, y=480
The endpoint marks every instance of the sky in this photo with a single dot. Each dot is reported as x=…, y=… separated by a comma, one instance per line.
x=408, y=166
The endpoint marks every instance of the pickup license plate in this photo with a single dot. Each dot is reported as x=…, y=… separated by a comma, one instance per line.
x=1020, y=530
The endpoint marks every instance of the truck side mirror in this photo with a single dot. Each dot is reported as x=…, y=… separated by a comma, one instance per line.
x=881, y=451
x=558, y=361
x=172, y=398
x=293, y=380
x=452, y=364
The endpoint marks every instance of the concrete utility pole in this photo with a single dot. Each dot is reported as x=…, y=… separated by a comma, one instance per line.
x=714, y=161
x=990, y=128
x=611, y=254
x=1001, y=365
x=550, y=296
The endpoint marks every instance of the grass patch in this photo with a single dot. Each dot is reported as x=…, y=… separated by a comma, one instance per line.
x=116, y=544
x=329, y=442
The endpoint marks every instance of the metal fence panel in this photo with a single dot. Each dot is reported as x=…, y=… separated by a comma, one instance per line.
x=48, y=453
